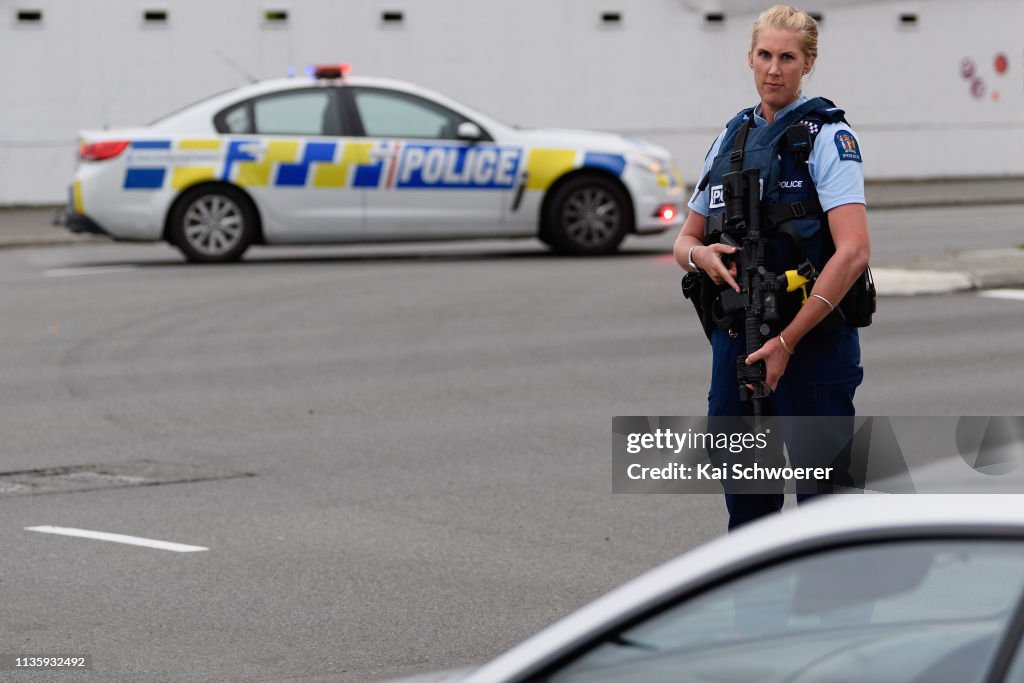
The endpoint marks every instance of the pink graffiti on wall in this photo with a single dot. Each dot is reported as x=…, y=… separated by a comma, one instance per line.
x=977, y=87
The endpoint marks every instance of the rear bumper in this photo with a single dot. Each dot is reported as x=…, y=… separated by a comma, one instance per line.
x=77, y=223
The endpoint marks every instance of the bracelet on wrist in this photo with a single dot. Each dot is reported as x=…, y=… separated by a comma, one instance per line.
x=827, y=302
x=689, y=260
x=785, y=346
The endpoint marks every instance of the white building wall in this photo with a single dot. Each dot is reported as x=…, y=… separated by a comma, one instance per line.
x=663, y=73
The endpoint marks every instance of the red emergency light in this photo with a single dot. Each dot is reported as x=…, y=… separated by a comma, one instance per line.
x=332, y=71
x=667, y=212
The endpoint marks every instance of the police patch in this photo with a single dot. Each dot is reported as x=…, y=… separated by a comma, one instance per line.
x=847, y=147
x=717, y=197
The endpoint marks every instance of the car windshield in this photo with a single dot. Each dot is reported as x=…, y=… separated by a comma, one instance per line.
x=923, y=611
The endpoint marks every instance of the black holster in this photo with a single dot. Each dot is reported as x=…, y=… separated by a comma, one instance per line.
x=702, y=293
x=859, y=304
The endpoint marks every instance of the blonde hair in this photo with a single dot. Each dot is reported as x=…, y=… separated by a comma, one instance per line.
x=790, y=18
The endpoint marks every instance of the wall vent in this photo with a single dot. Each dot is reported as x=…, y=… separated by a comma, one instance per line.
x=29, y=17
x=154, y=18
x=275, y=18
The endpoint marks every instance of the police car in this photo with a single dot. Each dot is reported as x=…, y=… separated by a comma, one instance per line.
x=336, y=158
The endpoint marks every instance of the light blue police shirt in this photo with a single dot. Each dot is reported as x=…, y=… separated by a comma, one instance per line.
x=837, y=180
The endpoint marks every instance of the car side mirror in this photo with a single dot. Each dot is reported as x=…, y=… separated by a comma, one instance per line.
x=468, y=130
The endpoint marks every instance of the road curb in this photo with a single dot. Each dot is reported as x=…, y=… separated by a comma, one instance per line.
x=907, y=282
x=56, y=241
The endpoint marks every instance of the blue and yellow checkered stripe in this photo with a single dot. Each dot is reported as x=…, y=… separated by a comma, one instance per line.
x=146, y=177
x=255, y=163
x=313, y=164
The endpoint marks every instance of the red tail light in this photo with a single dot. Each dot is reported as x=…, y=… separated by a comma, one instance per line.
x=98, y=151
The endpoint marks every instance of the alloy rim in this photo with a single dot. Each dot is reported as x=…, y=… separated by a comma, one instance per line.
x=213, y=225
x=591, y=216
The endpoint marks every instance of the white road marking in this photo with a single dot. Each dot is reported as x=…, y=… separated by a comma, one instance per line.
x=1017, y=294
x=69, y=272
x=117, y=538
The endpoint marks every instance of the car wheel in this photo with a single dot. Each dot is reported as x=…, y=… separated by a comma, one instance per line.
x=213, y=224
x=587, y=215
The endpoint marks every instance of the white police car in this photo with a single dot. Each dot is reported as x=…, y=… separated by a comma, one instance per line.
x=334, y=158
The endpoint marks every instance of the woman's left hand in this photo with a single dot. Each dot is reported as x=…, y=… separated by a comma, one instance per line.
x=775, y=360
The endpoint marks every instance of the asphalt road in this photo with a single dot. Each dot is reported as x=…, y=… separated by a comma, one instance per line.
x=912, y=235
x=397, y=457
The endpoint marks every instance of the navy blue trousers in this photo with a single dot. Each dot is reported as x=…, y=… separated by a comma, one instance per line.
x=820, y=380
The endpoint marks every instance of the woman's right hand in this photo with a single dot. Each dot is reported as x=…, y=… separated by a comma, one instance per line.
x=710, y=259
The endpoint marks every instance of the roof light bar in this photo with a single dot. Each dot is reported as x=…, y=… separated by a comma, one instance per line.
x=332, y=71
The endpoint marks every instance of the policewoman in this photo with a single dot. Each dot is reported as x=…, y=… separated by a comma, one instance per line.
x=812, y=205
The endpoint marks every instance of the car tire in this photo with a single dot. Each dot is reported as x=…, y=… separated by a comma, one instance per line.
x=213, y=224
x=587, y=215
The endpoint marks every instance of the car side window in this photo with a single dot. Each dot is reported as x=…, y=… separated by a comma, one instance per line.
x=389, y=114
x=238, y=120
x=932, y=611
x=300, y=113
x=294, y=112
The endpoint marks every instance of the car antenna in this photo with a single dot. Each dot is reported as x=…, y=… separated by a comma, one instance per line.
x=249, y=77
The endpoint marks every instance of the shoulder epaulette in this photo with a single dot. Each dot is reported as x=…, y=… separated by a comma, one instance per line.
x=829, y=113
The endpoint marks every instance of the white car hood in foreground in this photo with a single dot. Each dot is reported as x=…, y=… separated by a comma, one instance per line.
x=446, y=676
x=839, y=519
